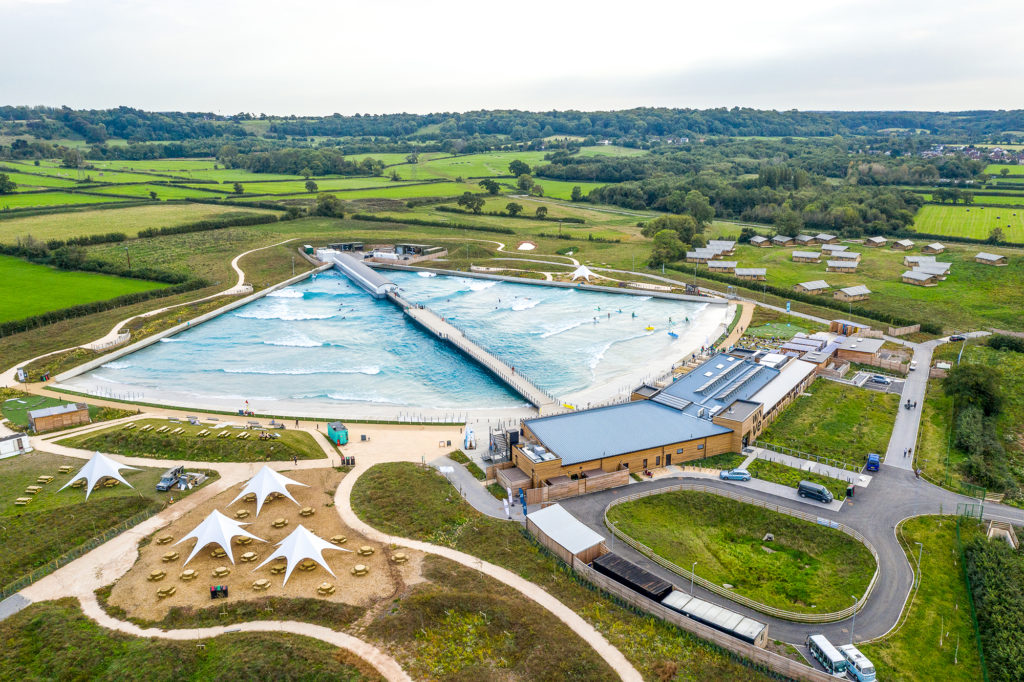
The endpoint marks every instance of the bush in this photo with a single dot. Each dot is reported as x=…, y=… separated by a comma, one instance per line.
x=205, y=225
x=995, y=575
x=432, y=223
x=1006, y=342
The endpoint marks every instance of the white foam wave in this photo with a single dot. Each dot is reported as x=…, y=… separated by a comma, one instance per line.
x=170, y=340
x=368, y=370
x=524, y=303
x=361, y=399
x=559, y=330
x=427, y=274
x=117, y=365
x=285, y=293
x=295, y=341
x=478, y=285
x=287, y=317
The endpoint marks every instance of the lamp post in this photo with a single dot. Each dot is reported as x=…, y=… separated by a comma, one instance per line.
x=853, y=626
x=920, y=551
x=692, y=569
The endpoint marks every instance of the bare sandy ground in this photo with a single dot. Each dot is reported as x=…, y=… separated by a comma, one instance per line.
x=138, y=596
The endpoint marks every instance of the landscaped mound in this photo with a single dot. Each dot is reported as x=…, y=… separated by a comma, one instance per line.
x=806, y=568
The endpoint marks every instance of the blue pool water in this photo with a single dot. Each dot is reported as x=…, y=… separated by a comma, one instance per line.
x=325, y=343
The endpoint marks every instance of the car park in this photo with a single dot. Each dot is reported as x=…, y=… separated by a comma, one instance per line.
x=815, y=491
x=879, y=379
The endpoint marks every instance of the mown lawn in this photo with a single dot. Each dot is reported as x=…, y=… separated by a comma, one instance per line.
x=54, y=640
x=807, y=568
x=415, y=502
x=186, y=445
x=16, y=408
x=41, y=288
x=26, y=200
x=936, y=634
x=838, y=421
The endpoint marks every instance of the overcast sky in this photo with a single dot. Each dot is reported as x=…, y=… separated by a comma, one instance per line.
x=382, y=56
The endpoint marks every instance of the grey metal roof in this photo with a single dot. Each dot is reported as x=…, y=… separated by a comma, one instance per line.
x=727, y=244
x=862, y=344
x=816, y=284
x=806, y=254
x=565, y=529
x=918, y=275
x=589, y=435
x=919, y=259
x=751, y=271
x=805, y=237
x=718, y=382
x=859, y=290
x=989, y=256
x=933, y=268
x=841, y=264
x=904, y=242
x=822, y=236
x=877, y=240
x=845, y=255
x=758, y=239
x=719, y=264
x=782, y=239
x=834, y=247
x=56, y=409
x=936, y=246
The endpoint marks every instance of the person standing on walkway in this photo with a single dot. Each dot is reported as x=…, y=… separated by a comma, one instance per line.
x=295, y=460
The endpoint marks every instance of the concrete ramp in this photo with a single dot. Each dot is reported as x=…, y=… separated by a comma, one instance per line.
x=376, y=284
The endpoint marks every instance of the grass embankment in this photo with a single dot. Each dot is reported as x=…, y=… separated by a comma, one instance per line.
x=767, y=324
x=57, y=521
x=838, y=421
x=54, y=640
x=188, y=446
x=807, y=568
x=16, y=406
x=936, y=638
x=414, y=502
x=42, y=289
x=975, y=222
x=788, y=476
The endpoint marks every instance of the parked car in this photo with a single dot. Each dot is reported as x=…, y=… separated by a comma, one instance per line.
x=879, y=379
x=958, y=337
x=734, y=475
x=873, y=462
x=913, y=365
x=815, y=491
x=170, y=478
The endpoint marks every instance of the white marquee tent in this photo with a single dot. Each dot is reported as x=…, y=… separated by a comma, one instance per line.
x=265, y=482
x=96, y=469
x=582, y=272
x=301, y=544
x=218, y=529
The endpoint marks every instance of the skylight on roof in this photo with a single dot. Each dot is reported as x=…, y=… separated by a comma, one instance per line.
x=708, y=374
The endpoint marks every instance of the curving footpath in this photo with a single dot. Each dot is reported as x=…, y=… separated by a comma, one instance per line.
x=612, y=656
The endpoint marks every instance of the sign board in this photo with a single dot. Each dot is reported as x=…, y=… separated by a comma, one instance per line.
x=788, y=304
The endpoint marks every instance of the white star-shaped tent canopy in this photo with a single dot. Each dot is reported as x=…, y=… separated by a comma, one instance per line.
x=582, y=272
x=301, y=544
x=265, y=482
x=96, y=469
x=218, y=529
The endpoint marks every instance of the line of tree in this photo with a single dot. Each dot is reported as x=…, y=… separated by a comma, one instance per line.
x=995, y=573
x=978, y=401
x=431, y=223
x=305, y=162
x=215, y=224
x=540, y=213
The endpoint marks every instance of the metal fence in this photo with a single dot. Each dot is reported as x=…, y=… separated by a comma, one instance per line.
x=66, y=558
x=970, y=597
x=793, y=452
x=729, y=594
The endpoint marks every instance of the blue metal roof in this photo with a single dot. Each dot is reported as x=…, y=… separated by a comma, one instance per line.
x=718, y=382
x=587, y=435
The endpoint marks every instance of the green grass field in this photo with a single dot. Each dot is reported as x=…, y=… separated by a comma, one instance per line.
x=995, y=169
x=323, y=185
x=611, y=150
x=164, y=192
x=27, y=182
x=490, y=164
x=22, y=200
x=973, y=296
x=56, y=521
x=410, y=501
x=396, y=191
x=16, y=409
x=186, y=445
x=158, y=165
x=41, y=288
x=96, y=174
x=936, y=634
x=985, y=199
x=838, y=421
x=88, y=651
x=559, y=189
x=128, y=220
x=809, y=568
x=975, y=222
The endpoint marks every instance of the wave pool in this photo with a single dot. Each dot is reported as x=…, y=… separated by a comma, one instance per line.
x=324, y=344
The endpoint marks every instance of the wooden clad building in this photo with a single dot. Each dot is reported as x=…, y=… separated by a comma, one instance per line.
x=59, y=417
